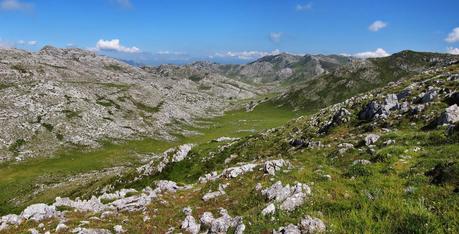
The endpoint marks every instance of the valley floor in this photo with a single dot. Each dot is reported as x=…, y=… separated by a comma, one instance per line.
x=77, y=172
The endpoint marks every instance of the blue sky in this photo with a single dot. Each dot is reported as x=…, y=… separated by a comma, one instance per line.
x=180, y=31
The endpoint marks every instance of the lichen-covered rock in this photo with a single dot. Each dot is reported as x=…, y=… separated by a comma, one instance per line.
x=288, y=197
x=344, y=147
x=189, y=223
x=270, y=209
x=80, y=230
x=340, y=116
x=212, y=195
x=94, y=204
x=234, y=172
x=289, y=229
x=361, y=162
x=222, y=224
x=272, y=166
x=12, y=219
x=390, y=103
x=370, y=139
x=61, y=227
x=38, y=212
x=309, y=225
x=119, y=229
x=208, y=177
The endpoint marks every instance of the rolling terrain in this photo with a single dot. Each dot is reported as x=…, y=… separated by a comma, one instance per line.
x=285, y=144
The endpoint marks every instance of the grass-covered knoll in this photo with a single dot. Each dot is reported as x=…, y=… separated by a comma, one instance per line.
x=19, y=180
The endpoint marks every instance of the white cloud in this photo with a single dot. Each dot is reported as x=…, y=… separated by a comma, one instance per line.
x=275, y=37
x=246, y=55
x=30, y=43
x=15, y=5
x=304, y=7
x=452, y=50
x=114, y=45
x=453, y=36
x=372, y=54
x=377, y=25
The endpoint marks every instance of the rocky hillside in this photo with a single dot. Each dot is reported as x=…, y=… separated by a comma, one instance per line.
x=60, y=98
x=384, y=161
x=360, y=76
x=283, y=67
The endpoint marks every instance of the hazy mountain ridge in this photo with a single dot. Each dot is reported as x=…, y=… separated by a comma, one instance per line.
x=269, y=69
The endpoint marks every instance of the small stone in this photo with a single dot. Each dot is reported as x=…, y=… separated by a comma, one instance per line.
x=361, y=162
x=61, y=227
x=270, y=209
x=371, y=139
x=311, y=225
x=118, y=229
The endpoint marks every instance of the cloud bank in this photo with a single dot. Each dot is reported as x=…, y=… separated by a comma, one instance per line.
x=115, y=45
x=372, y=54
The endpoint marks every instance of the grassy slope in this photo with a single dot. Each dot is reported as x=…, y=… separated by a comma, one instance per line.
x=332, y=88
x=374, y=198
x=17, y=180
